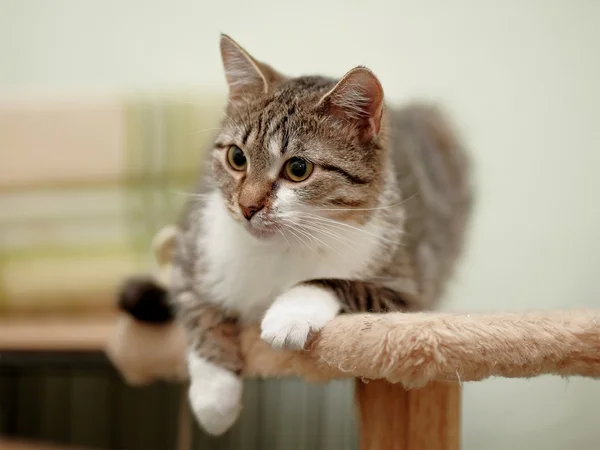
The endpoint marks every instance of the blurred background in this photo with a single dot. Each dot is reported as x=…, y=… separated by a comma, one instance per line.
x=105, y=105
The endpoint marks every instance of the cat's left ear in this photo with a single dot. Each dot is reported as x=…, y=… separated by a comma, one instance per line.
x=245, y=75
x=357, y=99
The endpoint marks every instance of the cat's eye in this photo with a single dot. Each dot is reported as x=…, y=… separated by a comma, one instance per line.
x=236, y=158
x=297, y=169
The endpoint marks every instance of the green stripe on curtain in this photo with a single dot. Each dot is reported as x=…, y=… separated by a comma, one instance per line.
x=61, y=223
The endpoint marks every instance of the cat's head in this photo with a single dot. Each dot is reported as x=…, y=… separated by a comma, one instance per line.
x=293, y=150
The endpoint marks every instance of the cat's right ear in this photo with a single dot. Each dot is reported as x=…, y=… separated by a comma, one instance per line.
x=245, y=75
x=357, y=99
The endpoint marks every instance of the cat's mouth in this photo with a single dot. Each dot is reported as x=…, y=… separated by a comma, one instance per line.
x=263, y=230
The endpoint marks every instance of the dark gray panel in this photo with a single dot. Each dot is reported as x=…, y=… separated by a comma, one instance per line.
x=90, y=408
x=55, y=405
x=8, y=401
x=28, y=407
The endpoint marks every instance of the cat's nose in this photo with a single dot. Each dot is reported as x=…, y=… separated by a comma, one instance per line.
x=249, y=211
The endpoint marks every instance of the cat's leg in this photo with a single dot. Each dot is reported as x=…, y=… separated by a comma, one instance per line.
x=214, y=363
x=213, y=355
x=308, y=306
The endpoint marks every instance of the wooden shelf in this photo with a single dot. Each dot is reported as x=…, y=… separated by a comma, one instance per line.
x=56, y=333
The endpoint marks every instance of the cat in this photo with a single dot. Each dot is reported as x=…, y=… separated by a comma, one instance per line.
x=321, y=200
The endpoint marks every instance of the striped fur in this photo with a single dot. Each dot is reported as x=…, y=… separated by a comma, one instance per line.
x=362, y=296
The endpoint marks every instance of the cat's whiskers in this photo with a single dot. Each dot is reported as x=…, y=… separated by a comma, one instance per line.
x=246, y=109
x=305, y=231
x=323, y=229
x=330, y=228
x=311, y=239
x=279, y=228
x=203, y=130
x=190, y=194
x=298, y=235
x=299, y=228
x=237, y=125
x=287, y=228
x=342, y=225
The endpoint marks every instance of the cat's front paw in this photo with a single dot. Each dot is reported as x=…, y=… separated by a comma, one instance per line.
x=215, y=395
x=296, y=314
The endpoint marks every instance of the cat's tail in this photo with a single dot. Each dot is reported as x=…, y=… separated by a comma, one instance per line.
x=143, y=298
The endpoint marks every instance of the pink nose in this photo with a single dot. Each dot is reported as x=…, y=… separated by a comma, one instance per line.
x=249, y=211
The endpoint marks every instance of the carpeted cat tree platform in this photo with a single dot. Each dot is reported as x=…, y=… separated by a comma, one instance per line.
x=409, y=367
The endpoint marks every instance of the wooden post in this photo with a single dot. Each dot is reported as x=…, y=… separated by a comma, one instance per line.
x=392, y=418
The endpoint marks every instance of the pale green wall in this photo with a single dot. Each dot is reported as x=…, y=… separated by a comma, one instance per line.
x=522, y=76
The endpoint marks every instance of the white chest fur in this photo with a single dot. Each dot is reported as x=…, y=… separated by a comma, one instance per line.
x=245, y=274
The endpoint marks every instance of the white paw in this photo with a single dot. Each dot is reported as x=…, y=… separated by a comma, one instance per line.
x=215, y=395
x=296, y=314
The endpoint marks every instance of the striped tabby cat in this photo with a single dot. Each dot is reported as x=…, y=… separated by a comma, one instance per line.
x=322, y=200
